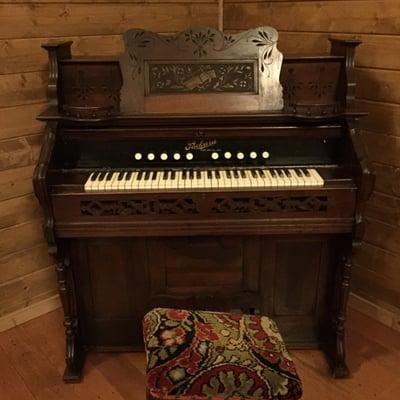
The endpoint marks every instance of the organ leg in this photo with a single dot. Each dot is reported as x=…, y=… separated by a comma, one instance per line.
x=336, y=349
x=74, y=354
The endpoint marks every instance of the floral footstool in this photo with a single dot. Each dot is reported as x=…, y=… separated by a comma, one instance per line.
x=211, y=355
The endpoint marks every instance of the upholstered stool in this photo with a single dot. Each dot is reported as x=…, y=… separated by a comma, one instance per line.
x=211, y=355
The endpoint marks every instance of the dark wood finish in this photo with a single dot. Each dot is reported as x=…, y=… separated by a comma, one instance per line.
x=285, y=253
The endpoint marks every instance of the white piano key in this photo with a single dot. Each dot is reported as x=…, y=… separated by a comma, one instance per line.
x=266, y=182
x=317, y=176
x=300, y=177
x=129, y=184
x=178, y=180
x=156, y=182
x=293, y=178
x=286, y=179
x=121, y=182
x=163, y=180
x=88, y=184
x=272, y=179
x=108, y=185
x=102, y=183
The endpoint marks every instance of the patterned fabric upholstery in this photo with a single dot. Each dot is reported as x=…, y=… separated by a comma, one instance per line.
x=210, y=355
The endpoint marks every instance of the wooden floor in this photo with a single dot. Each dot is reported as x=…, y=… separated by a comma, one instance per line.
x=32, y=362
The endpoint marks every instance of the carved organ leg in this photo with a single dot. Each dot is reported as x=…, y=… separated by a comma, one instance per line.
x=339, y=367
x=74, y=354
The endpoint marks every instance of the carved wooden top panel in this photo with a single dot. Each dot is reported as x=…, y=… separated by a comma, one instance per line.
x=201, y=70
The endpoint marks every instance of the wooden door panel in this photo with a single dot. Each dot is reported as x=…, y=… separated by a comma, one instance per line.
x=188, y=269
x=296, y=278
x=120, y=279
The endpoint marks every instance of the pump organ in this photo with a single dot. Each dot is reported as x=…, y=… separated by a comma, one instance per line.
x=184, y=174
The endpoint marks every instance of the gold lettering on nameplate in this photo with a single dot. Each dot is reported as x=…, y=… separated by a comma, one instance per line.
x=202, y=145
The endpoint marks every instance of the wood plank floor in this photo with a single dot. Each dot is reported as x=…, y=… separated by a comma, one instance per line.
x=32, y=362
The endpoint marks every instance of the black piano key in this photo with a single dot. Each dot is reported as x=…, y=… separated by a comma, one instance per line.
x=242, y=173
x=111, y=174
x=154, y=176
x=184, y=174
x=165, y=175
x=147, y=175
x=274, y=173
x=209, y=174
x=140, y=176
x=288, y=174
x=217, y=174
x=228, y=174
x=261, y=173
x=299, y=173
x=306, y=172
x=94, y=176
x=191, y=174
x=173, y=174
x=254, y=173
x=281, y=173
x=101, y=176
x=236, y=173
x=120, y=176
x=198, y=174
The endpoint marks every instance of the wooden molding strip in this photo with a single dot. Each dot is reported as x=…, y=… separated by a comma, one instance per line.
x=386, y=317
x=35, y=310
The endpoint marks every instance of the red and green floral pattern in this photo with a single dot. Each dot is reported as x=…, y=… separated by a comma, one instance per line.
x=210, y=355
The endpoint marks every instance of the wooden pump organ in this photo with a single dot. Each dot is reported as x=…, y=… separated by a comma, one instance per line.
x=202, y=170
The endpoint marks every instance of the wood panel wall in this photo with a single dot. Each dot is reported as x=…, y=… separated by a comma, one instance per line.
x=26, y=271
x=95, y=26
x=304, y=27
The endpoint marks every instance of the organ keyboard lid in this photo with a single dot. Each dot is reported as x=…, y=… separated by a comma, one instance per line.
x=200, y=73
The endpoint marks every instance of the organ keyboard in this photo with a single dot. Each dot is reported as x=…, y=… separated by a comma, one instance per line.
x=190, y=179
x=206, y=175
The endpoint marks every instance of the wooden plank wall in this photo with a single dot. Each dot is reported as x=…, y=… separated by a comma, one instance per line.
x=304, y=27
x=26, y=271
x=95, y=26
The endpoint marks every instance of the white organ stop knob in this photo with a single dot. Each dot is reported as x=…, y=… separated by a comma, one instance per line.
x=138, y=156
x=228, y=155
x=151, y=156
x=240, y=155
x=164, y=156
x=215, y=155
x=253, y=155
x=189, y=156
x=265, y=154
x=177, y=156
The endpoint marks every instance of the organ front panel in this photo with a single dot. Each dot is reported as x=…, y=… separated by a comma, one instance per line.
x=214, y=175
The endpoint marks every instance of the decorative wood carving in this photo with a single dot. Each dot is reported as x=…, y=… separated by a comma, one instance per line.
x=311, y=89
x=56, y=51
x=66, y=284
x=346, y=48
x=270, y=204
x=201, y=60
x=138, y=207
x=235, y=77
x=340, y=369
x=176, y=206
x=91, y=90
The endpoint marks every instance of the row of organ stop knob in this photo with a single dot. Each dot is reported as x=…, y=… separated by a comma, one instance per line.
x=227, y=155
